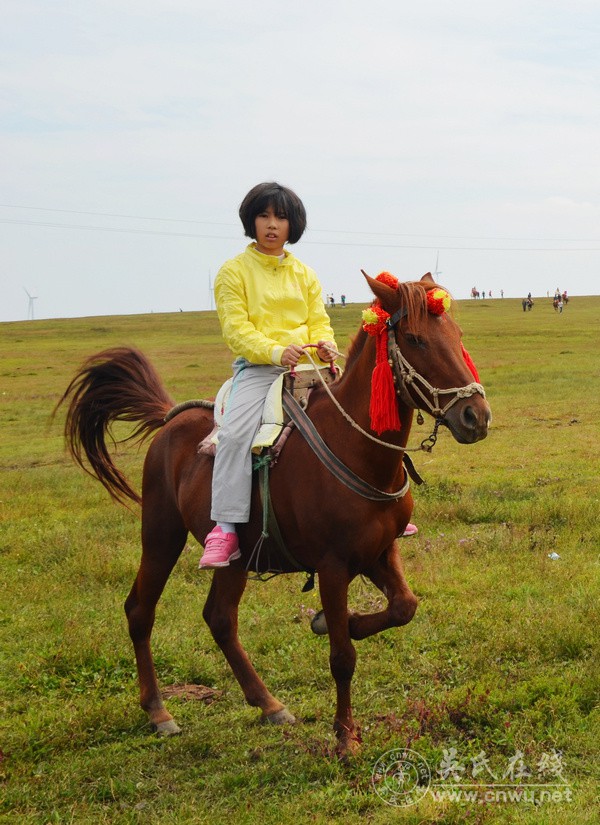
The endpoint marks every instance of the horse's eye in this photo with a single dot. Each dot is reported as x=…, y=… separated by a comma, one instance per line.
x=414, y=340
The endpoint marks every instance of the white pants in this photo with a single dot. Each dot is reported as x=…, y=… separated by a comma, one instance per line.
x=232, y=473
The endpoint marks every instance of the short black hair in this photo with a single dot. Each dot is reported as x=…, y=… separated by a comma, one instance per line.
x=281, y=200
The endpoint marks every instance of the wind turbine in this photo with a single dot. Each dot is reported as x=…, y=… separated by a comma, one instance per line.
x=437, y=271
x=32, y=297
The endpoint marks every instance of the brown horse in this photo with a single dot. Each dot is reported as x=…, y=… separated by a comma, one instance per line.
x=326, y=526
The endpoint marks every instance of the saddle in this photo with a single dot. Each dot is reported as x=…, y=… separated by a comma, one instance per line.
x=275, y=424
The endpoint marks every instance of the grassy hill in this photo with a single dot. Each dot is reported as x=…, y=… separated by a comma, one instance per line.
x=501, y=659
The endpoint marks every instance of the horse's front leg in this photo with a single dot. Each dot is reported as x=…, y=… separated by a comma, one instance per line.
x=334, y=581
x=221, y=615
x=388, y=576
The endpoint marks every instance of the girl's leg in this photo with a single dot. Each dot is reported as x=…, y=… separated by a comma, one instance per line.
x=232, y=473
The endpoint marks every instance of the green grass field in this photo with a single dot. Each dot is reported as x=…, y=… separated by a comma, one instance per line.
x=498, y=672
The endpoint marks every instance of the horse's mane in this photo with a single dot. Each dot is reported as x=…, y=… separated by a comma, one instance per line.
x=356, y=347
x=412, y=295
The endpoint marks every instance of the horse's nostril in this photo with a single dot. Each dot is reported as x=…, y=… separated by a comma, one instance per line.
x=469, y=417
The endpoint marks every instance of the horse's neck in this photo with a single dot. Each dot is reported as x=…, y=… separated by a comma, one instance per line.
x=353, y=394
x=354, y=391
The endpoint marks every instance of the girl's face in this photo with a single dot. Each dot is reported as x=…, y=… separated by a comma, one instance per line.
x=271, y=231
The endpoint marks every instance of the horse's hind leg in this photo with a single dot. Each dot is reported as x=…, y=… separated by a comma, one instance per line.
x=387, y=575
x=161, y=549
x=221, y=615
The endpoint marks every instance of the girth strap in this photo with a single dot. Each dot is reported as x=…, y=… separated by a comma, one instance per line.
x=270, y=523
x=331, y=461
x=270, y=529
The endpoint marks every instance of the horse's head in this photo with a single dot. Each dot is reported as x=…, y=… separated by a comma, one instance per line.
x=431, y=368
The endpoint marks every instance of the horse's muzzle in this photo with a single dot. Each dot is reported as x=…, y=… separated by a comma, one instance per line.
x=469, y=420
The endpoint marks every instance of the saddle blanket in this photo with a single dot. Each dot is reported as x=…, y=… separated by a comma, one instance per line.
x=272, y=422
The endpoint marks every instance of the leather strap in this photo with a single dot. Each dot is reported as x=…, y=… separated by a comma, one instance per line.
x=336, y=467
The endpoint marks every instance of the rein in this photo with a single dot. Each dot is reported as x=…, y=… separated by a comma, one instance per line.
x=426, y=445
x=331, y=461
x=405, y=375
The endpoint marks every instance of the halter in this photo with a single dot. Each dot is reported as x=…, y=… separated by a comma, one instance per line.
x=406, y=376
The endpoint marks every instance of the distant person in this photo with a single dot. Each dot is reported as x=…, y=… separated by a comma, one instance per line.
x=343, y=300
x=502, y=293
x=270, y=305
x=483, y=294
x=524, y=303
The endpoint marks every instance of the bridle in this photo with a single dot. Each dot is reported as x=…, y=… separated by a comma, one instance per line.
x=406, y=377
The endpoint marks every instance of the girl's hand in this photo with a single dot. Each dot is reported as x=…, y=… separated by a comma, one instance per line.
x=326, y=351
x=291, y=355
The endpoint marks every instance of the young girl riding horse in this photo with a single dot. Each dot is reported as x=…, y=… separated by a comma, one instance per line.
x=270, y=305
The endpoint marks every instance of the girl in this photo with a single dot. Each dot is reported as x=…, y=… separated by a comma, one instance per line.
x=269, y=305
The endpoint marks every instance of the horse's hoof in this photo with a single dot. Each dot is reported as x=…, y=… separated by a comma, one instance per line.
x=345, y=757
x=346, y=751
x=281, y=717
x=318, y=624
x=168, y=728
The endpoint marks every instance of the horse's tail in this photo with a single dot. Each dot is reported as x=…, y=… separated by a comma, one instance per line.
x=117, y=384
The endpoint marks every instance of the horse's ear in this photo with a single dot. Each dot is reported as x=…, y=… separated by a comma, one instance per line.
x=428, y=278
x=385, y=293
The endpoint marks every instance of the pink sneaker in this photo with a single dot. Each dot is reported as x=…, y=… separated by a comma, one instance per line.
x=219, y=549
x=410, y=530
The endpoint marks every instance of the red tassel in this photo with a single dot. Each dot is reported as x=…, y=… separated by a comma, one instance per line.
x=383, y=409
x=469, y=363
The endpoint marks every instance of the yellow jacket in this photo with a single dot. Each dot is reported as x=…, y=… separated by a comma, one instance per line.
x=265, y=304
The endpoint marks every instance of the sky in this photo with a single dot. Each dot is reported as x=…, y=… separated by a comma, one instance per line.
x=454, y=137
